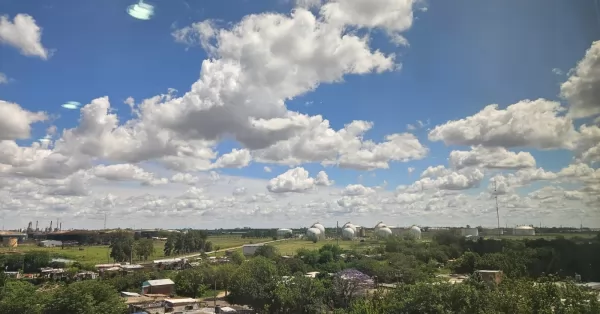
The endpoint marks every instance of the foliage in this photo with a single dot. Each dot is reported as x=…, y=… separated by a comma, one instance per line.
x=121, y=247
x=299, y=295
x=237, y=257
x=267, y=251
x=144, y=248
x=86, y=297
x=18, y=297
x=254, y=283
x=190, y=283
x=187, y=242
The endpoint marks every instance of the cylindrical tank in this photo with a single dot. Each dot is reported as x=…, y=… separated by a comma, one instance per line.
x=414, y=232
x=13, y=242
x=383, y=232
x=313, y=234
x=348, y=233
x=362, y=232
x=283, y=232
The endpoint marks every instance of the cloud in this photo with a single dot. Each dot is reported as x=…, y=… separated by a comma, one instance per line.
x=582, y=88
x=24, y=34
x=267, y=169
x=323, y=179
x=293, y=180
x=528, y=123
x=493, y=158
x=15, y=122
x=3, y=78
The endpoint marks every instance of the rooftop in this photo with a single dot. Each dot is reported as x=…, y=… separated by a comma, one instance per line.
x=158, y=282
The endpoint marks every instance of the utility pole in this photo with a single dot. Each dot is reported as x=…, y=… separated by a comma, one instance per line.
x=497, y=212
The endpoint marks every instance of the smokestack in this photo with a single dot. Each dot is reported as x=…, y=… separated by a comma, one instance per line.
x=36, y=226
x=60, y=228
x=50, y=225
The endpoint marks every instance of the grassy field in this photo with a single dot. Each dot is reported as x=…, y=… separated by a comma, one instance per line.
x=227, y=241
x=100, y=254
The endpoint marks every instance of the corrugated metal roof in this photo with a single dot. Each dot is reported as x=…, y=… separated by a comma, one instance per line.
x=158, y=282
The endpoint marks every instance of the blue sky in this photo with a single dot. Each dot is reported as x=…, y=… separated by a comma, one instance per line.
x=461, y=56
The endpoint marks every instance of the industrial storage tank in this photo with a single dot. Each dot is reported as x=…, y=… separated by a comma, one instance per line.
x=414, y=232
x=284, y=232
x=348, y=233
x=380, y=225
x=469, y=232
x=524, y=231
x=313, y=234
x=349, y=225
x=319, y=226
x=383, y=232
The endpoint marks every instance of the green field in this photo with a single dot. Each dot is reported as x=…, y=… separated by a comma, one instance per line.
x=100, y=253
x=228, y=241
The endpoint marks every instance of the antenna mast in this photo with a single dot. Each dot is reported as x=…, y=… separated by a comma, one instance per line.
x=497, y=212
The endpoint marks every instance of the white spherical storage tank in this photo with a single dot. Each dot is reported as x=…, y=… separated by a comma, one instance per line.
x=283, y=232
x=349, y=225
x=414, y=232
x=383, y=232
x=313, y=234
x=380, y=225
x=524, y=231
x=348, y=233
x=320, y=227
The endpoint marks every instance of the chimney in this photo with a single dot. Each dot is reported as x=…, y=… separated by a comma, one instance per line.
x=50, y=225
x=60, y=228
x=36, y=226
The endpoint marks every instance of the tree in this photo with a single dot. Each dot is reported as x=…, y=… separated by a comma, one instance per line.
x=254, y=283
x=34, y=260
x=300, y=295
x=190, y=283
x=237, y=257
x=18, y=297
x=267, y=251
x=144, y=248
x=121, y=247
x=85, y=297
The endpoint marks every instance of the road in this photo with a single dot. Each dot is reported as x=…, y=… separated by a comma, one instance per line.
x=229, y=248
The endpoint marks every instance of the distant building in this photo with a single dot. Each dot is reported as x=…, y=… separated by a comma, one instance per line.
x=524, y=231
x=159, y=286
x=250, y=249
x=50, y=243
x=469, y=232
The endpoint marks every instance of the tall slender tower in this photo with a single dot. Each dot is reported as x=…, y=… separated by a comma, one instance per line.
x=104, y=220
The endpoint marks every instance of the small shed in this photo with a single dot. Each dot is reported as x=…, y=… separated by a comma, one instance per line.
x=250, y=249
x=492, y=276
x=158, y=286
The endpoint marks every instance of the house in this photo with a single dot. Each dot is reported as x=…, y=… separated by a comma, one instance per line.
x=159, y=286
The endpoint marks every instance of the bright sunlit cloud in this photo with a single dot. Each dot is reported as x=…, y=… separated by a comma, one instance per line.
x=71, y=105
x=141, y=11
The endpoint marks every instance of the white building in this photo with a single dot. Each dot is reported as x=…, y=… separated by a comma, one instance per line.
x=50, y=243
x=471, y=232
x=524, y=231
x=250, y=249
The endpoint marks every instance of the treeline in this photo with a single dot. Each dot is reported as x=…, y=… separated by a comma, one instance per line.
x=187, y=242
x=82, y=297
x=532, y=257
x=123, y=247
